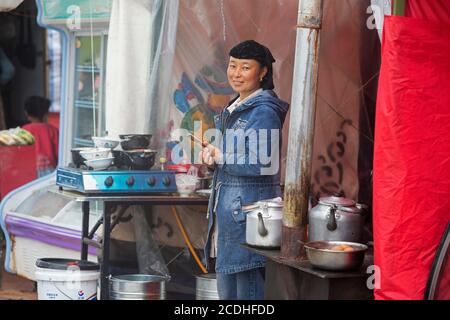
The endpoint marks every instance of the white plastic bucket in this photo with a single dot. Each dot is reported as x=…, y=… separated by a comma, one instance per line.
x=65, y=279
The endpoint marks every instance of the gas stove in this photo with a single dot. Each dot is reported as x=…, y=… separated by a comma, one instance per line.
x=116, y=181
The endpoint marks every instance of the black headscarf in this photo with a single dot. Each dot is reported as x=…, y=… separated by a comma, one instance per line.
x=251, y=49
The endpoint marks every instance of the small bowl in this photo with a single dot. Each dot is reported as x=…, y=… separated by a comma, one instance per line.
x=105, y=142
x=186, y=184
x=185, y=190
x=100, y=164
x=95, y=153
x=77, y=159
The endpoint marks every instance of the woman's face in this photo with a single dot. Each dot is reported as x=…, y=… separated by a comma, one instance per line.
x=245, y=75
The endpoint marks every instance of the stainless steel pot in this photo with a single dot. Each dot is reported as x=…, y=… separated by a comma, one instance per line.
x=336, y=219
x=138, y=287
x=264, y=221
x=322, y=255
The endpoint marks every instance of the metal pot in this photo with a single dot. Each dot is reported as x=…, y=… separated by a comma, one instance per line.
x=138, y=287
x=264, y=222
x=336, y=219
x=322, y=255
x=135, y=160
x=135, y=141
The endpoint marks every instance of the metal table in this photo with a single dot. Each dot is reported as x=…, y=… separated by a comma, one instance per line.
x=109, y=203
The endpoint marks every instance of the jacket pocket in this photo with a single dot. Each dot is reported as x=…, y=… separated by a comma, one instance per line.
x=236, y=211
x=239, y=124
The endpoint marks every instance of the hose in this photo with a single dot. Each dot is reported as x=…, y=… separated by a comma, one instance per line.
x=187, y=240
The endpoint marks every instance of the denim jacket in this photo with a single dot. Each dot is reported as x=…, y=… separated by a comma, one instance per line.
x=240, y=180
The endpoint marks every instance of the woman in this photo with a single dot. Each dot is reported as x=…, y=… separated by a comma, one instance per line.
x=238, y=180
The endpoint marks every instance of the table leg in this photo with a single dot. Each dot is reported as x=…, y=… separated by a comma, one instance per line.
x=85, y=230
x=104, y=271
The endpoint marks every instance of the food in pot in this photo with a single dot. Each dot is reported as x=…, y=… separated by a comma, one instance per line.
x=342, y=247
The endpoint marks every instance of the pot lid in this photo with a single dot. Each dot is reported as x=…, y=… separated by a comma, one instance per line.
x=66, y=264
x=272, y=203
x=269, y=203
x=337, y=201
x=350, y=209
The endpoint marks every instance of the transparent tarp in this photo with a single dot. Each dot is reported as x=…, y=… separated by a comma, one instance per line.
x=179, y=75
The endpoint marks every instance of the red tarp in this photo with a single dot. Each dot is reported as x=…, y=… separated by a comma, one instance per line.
x=412, y=154
x=430, y=10
x=17, y=167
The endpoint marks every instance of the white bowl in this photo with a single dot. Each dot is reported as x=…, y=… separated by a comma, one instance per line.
x=186, y=189
x=105, y=142
x=99, y=164
x=95, y=153
x=186, y=184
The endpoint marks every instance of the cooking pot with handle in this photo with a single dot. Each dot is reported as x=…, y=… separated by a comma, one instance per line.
x=264, y=222
x=336, y=219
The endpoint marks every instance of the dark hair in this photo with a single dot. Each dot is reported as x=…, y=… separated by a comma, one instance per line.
x=37, y=107
x=251, y=49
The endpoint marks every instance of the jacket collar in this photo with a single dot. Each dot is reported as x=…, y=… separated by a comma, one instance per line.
x=247, y=104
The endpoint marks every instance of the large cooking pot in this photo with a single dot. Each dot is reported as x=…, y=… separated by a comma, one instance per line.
x=135, y=141
x=264, y=221
x=135, y=160
x=336, y=219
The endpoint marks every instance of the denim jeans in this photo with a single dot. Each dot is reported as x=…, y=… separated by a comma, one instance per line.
x=246, y=285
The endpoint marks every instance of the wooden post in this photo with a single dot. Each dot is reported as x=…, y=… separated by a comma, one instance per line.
x=301, y=129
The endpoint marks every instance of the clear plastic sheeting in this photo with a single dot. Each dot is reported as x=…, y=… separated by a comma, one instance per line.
x=348, y=72
x=139, y=59
x=166, y=231
x=186, y=79
x=207, y=30
x=150, y=259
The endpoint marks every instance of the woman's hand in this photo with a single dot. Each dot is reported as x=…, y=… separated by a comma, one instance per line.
x=210, y=155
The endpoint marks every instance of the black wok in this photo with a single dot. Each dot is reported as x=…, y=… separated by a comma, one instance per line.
x=135, y=141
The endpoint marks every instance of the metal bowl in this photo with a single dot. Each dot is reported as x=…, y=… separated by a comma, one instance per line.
x=322, y=256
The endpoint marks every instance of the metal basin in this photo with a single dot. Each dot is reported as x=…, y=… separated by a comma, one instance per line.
x=137, y=287
x=321, y=255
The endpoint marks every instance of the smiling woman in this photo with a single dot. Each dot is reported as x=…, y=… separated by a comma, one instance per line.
x=240, y=273
x=245, y=76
